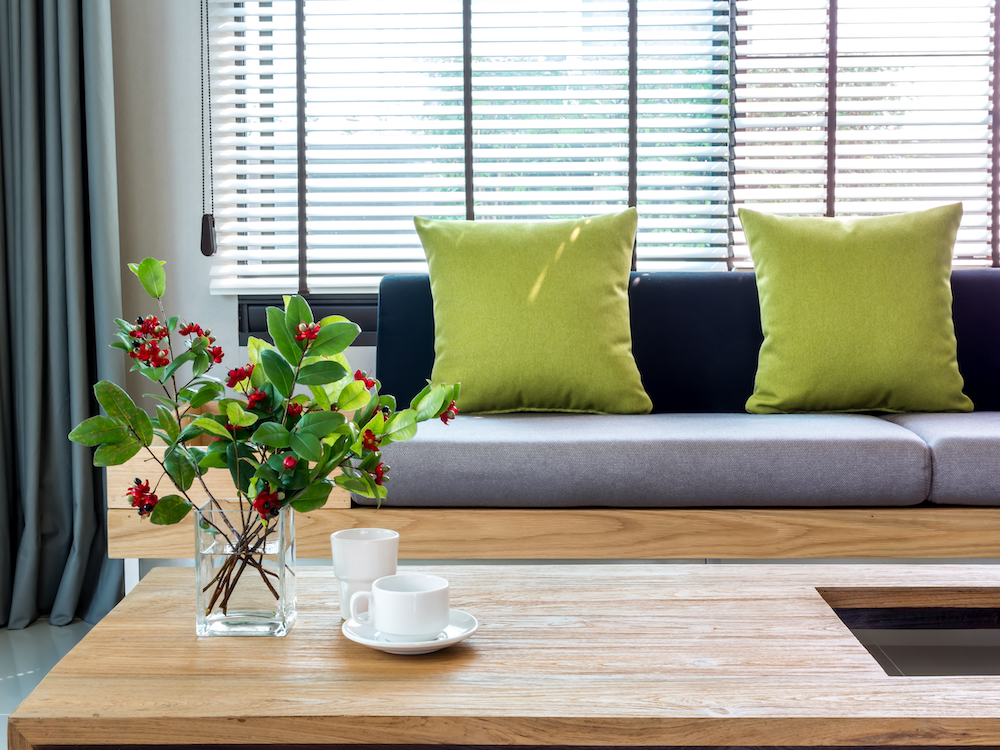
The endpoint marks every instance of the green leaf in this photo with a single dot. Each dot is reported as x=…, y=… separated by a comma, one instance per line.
x=190, y=432
x=152, y=373
x=375, y=424
x=254, y=347
x=333, y=453
x=172, y=323
x=170, y=510
x=120, y=345
x=242, y=470
x=291, y=481
x=181, y=468
x=207, y=424
x=150, y=273
x=320, y=397
x=176, y=365
x=118, y=405
x=297, y=311
x=100, y=429
x=272, y=435
x=208, y=392
x=402, y=426
x=115, y=454
x=306, y=445
x=351, y=484
x=333, y=338
x=239, y=417
x=320, y=423
x=268, y=474
x=213, y=460
x=201, y=363
x=312, y=497
x=169, y=403
x=354, y=396
x=321, y=373
x=364, y=414
x=370, y=462
x=168, y=423
x=278, y=371
x=283, y=341
x=199, y=343
x=430, y=404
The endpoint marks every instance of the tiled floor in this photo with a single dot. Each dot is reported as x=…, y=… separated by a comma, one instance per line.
x=26, y=656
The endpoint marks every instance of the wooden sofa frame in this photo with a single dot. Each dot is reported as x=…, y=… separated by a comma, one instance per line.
x=924, y=531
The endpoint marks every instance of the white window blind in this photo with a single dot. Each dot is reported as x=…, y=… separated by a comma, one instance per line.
x=385, y=137
x=683, y=133
x=781, y=109
x=555, y=133
x=255, y=163
x=913, y=101
x=549, y=108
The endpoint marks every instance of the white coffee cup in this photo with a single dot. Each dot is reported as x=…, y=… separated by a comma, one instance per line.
x=360, y=556
x=406, y=607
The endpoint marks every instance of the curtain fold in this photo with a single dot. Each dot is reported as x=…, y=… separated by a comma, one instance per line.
x=59, y=292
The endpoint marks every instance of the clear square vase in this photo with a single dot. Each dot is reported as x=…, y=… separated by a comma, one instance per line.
x=244, y=572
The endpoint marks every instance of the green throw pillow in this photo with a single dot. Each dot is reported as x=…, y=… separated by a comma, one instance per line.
x=856, y=313
x=534, y=316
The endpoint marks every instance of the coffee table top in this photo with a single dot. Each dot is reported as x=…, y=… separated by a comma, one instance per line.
x=565, y=655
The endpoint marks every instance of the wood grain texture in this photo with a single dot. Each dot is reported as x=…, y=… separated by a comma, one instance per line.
x=132, y=536
x=595, y=534
x=15, y=740
x=608, y=655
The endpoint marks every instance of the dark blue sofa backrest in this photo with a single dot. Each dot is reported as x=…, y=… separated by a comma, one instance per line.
x=695, y=337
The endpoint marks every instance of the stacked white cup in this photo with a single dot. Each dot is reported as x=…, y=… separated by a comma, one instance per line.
x=360, y=556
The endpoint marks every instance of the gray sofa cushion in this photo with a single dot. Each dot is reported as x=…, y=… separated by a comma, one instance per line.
x=658, y=460
x=964, y=450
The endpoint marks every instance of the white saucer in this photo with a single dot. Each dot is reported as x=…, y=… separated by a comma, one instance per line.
x=460, y=626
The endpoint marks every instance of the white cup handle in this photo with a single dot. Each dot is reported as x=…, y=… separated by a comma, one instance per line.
x=356, y=597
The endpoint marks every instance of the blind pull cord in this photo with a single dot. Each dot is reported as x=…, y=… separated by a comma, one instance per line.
x=208, y=245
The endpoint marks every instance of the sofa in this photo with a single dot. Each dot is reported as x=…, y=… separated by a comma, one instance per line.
x=695, y=338
x=697, y=478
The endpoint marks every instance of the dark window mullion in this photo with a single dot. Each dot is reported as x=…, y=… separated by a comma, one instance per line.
x=470, y=196
x=831, y=114
x=633, y=112
x=995, y=140
x=731, y=167
x=300, y=100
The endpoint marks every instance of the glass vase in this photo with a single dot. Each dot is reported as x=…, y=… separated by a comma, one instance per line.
x=244, y=572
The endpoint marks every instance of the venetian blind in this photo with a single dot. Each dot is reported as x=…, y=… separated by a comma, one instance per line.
x=385, y=135
x=717, y=125
x=683, y=134
x=913, y=101
x=549, y=108
x=781, y=109
x=255, y=162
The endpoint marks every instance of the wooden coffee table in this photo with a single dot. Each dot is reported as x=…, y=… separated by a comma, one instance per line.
x=566, y=655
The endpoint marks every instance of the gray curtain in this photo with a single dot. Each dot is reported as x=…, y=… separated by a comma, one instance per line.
x=59, y=293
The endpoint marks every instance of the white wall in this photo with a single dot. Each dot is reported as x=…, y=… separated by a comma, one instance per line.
x=158, y=122
x=157, y=67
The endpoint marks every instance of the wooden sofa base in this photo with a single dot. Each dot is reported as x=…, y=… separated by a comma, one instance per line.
x=924, y=531
x=603, y=534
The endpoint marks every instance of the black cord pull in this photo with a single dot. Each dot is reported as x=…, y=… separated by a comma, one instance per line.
x=208, y=245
